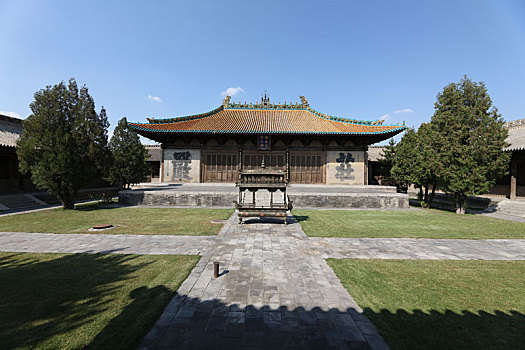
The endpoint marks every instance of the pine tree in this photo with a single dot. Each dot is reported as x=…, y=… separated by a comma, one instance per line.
x=469, y=137
x=64, y=142
x=386, y=161
x=129, y=156
x=426, y=172
x=415, y=162
x=406, y=159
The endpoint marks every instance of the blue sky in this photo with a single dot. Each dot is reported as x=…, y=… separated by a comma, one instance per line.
x=358, y=59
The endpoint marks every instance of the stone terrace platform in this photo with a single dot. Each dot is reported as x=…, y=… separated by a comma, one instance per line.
x=303, y=196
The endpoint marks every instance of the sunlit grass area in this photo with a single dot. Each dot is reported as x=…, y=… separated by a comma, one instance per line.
x=128, y=220
x=57, y=301
x=408, y=224
x=428, y=304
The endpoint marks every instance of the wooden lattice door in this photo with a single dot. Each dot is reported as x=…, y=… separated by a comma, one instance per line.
x=253, y=160
x=220, y=167
x=307, y=167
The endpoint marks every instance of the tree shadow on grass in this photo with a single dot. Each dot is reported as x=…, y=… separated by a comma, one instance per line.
x=136, y=318
x=450, y=206
x=417, y=329
x=42, y=298
x=301, y=218
x=96, y=207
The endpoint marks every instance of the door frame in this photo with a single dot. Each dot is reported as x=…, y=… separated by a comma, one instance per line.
x=204, y=164
x=322, y=154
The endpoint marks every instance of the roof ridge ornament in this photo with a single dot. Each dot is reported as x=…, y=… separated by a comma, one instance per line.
x=265, y=104
x=226, y=101
x=265, y=100
x=304, y=102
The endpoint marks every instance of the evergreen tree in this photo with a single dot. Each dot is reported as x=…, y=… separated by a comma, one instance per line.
x=426, y=172
x=469, y=137
x=129, y=156
x=64, y=142
x=415, y=162
x=406, y=158
x=386, y=161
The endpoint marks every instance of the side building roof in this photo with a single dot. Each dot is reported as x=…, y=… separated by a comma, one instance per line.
x=516, y=136
x=154, y=152
x=265, y=118
x=375, y=153
x=10, y=130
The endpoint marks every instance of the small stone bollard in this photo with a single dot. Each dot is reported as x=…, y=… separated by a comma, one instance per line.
x=215, y=269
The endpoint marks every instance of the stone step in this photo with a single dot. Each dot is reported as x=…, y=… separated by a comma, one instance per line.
x=19, y=201
x=508, y=210
x=508, y=204
x=512, y=208
x=513, y=212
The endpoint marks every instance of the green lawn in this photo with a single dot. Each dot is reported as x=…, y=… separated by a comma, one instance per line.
x=409, y=224
x=69, y=301
x=418, y=304
x=128, y=220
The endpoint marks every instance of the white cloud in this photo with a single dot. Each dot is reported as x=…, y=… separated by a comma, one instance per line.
x=406, y=110
x=384, y=117
x=11, y=114
x=232, y=91
x=155, y=99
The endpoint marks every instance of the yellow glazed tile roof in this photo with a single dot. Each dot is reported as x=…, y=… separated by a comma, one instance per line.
x=265, y=119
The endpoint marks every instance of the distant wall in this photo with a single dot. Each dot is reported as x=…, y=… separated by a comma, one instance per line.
x=504, y=190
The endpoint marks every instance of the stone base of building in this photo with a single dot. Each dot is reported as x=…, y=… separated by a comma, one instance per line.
x=351, y=201
x=222, y=196
x=166, y=198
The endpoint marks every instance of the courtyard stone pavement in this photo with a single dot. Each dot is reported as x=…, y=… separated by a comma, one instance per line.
x=275, y=289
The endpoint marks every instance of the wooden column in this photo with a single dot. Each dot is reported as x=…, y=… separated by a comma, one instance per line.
x=287, y=166
x=240, y=164
x=161, y=164
x=513, y=187
x=366, y=166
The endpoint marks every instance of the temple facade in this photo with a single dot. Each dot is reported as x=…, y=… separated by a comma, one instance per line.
x=313, y=147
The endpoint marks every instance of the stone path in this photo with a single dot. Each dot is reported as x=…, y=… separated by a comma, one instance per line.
x=270, y=295
x=276, y=290
x=414, y=248
x=357, y=248
x=104, y=243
